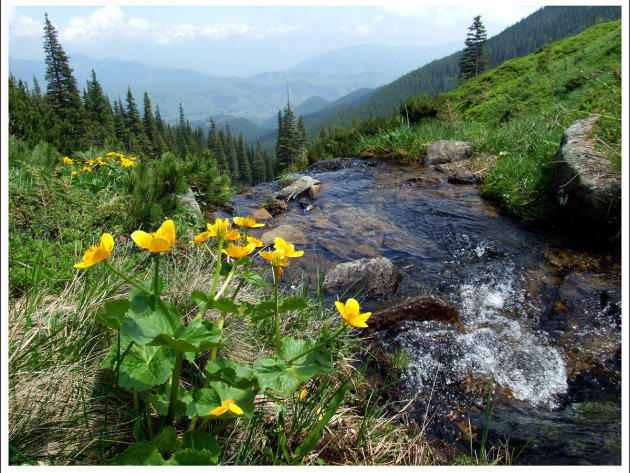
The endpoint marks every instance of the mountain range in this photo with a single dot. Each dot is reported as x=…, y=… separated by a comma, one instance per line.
x=322, y=79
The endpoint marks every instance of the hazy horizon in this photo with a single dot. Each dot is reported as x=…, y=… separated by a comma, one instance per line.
x=245, y=40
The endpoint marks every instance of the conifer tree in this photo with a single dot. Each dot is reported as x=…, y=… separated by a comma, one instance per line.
x=99, y=111
x=215, y=144
x=287, y=143
x=119, y=120
x=62, y=92
x=182, y=134
x=136, y=138
x=230, y=153
x=244, y=169
x=474, y=60
x=155, y=141
x=259, y=170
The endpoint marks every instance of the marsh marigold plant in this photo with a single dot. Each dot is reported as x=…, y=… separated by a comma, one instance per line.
x=154, y=340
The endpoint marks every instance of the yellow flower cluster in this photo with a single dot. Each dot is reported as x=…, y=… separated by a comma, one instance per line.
x=111, y=157
x=164, y=238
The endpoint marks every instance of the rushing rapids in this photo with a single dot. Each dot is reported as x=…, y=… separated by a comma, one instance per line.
x=540, y=321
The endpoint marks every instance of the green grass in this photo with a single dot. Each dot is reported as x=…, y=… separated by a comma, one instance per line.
x=519, y=111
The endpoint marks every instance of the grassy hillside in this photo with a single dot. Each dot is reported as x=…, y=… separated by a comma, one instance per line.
x=545, y=25
x=519, y=111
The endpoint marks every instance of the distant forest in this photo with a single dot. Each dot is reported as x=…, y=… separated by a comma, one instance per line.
x=546, y=25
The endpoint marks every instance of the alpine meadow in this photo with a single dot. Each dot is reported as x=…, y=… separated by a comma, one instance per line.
x=419, y=268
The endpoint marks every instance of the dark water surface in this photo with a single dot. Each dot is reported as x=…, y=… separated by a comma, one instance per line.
x=547, y=333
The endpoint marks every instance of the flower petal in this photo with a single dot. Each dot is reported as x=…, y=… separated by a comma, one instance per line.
x=107, y=242
x=167, y=232
x=142, y=239
x=159, y=244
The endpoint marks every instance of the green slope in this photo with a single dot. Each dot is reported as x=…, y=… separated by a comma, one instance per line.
x=545, y=25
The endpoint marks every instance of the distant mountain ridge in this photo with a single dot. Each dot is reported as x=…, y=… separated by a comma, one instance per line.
x=543, y=26
x=330, y=76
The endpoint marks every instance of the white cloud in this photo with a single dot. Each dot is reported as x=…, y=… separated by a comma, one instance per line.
x=224, y=30
x=281, y=29
x=22, y=25
x=102, y=21
x=362, y=30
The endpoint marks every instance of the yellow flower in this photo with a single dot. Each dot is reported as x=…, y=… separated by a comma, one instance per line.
x=67, y=160
x=247, y=222
x=86, y=168
x=289, y=250
x=256, y=242
x=221, y=229
x=226, y=406
x=201, y=238
x=162, y=240
x=276, y=258
x=74, y=173
x=126, y=162
x=97, y=253
x=113, y=153
x=351, y=313
x=89, y=162
x=237, y=252
x=101, y=162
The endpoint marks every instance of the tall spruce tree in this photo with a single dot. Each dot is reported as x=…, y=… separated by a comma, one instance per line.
x=62, y=92
x=155, y=141
x=474, y=60
x=99, y=112
x=287, y=143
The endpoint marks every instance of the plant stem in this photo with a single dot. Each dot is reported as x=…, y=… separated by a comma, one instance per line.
x=147, y=406
x=174, y=387
x=127, y=279
x=319, y=345
x=217, y=269
x=156, y=273
x=136, y=405
x=277, y=315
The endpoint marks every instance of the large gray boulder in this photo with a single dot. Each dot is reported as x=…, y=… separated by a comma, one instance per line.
x=588, y=189
x=447, y=151
x=373, y=277
x=302, y=185
x=189, y=202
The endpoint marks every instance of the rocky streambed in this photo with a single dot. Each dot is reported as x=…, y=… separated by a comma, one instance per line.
x=486, y=299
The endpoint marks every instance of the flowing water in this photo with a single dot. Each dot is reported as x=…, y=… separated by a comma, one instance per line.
x=542, y=320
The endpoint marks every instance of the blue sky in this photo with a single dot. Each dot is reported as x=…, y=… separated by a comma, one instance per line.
x=241, y=40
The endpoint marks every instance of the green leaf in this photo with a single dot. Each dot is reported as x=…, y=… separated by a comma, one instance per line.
x=112, y=313
x=198, y=441
x=244, y=398
x=199, y=298
x=261, y=311
x=166, y=442
x=256, y=280
x=146, y=366
x=313, y=436
x=161, y=398
x=198, y=336
x=292, y=303
x=110, y=360
x=192, y=457
x=143, y=327
x=315, y=363
x=268, y=308
x=203, y=401
x=142, y=453
x=227, y=306
x=239, y=375
x=274, y=373
x=284, y=379
x=225, y=269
